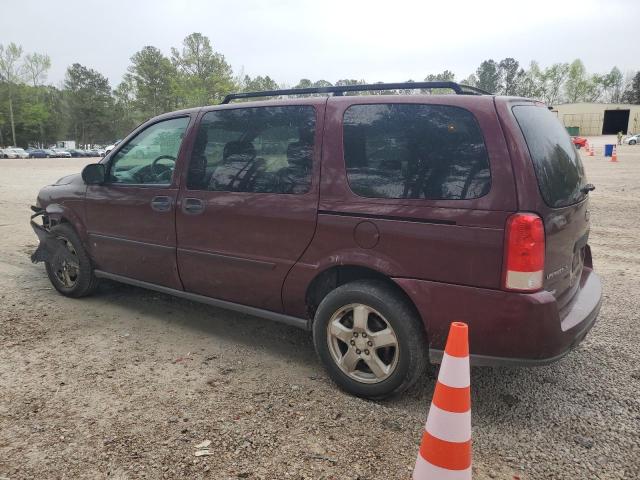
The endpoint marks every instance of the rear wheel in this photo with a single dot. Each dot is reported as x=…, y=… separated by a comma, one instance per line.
x=70, y=270
x=370, y=339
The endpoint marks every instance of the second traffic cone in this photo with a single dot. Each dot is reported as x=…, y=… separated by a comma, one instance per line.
x=614, y=155
x=445, y=450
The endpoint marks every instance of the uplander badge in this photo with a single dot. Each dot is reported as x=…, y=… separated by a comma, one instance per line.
x=556, y=273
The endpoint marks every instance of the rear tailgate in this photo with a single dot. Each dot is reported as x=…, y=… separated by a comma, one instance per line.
x=562, y=201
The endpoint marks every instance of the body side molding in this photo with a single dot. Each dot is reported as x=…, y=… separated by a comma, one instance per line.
x=302, y=323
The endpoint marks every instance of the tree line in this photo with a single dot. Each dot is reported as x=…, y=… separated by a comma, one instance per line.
x=87, y=109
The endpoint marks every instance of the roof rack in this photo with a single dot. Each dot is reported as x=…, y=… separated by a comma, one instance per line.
x=338, y=90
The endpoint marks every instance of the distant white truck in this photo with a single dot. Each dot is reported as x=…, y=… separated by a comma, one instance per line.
x=65, y=144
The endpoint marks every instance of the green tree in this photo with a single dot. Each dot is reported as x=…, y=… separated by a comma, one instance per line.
x=125, y=116
x=471, y=80
x=445, y=76
x=578, y=85
x=510, y=75
x=632, y=93
x=488, y=76
x=530, y=83
x=36, y=66
x=89, y=99
x=258, y=84
x=613, y=85
x=349, y=81
x=304, y=83
x=154, y=78
x=204, y=74
x=322, y=84
x=11, y=72
x=552, y=80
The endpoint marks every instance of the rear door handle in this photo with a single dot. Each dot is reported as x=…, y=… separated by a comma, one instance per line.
x=161, y=204
x=192, y=206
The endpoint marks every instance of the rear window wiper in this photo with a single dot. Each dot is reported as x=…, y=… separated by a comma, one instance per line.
x=589, y=187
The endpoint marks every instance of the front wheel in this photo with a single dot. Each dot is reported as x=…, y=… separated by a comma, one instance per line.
x=632, y=142
x=370, y=339
x=69, y=269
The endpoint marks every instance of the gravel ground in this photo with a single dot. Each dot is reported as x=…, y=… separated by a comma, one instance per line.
x=126, y=383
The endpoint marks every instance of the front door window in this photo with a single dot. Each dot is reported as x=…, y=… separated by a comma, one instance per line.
x=150, y=157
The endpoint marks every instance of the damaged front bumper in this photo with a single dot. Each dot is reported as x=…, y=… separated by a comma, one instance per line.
x=49, y=243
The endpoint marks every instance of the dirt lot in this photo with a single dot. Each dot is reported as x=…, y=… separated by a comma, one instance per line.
x=124, y=384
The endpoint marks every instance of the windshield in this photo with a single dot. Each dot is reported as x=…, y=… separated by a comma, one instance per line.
x=556, y=161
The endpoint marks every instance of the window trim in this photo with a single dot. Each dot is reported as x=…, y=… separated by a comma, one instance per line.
x=414, y=201
x=316, y=141
x=141, y=128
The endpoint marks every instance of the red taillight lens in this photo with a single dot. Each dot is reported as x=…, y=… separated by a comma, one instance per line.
x=524, y=252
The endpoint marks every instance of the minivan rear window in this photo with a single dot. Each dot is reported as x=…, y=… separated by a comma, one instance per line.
x=556, y=161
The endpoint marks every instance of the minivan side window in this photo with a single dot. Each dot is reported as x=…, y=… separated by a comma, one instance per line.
x=254, y=149
x=149, y=157
x=415, y=151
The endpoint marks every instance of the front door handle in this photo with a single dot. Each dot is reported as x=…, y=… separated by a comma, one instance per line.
x=192, y=206
x=161, y=204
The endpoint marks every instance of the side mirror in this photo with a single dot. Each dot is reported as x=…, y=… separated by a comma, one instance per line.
x=93, y=174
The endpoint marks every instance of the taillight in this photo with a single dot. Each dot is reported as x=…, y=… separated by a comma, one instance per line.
x=524, y=253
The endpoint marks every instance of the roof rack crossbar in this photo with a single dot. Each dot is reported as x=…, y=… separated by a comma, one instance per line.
x=338, y=90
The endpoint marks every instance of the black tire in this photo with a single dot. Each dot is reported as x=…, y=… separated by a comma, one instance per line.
x=398, y=314
x=84, y=280
x=632, y=142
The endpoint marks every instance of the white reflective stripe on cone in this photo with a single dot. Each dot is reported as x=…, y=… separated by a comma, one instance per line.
x=425, y=471
x=454, y=371
x=449, y=426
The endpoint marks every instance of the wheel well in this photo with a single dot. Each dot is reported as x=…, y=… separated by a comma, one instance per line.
x=334, y=277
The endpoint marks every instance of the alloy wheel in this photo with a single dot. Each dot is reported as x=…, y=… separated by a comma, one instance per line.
x=362, y=343
x=67, y=265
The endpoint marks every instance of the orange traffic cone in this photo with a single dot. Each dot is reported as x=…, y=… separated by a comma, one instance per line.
x=614, y=155
x=445, y=451
x=591, y=151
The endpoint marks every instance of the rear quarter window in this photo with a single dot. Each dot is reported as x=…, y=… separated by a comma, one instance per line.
x=556, y=161
x=415, y=151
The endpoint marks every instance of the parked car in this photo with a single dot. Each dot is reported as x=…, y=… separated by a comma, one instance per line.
x=579, y=142
x=8, y=153
x=75, y=152
x=38, y=153
x=20, y=152
x=111, y=147
x=632, y=139
x=94, y=153
x=414, y=220
x=60, y=153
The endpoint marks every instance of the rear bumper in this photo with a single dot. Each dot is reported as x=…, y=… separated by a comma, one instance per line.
x=506, y=328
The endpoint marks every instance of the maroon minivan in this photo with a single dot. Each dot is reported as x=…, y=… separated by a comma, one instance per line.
x=372, y=220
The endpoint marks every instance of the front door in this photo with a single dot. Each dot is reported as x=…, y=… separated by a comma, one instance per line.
x=131, y=217
x=250, y=204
